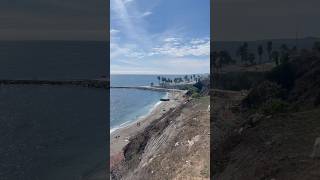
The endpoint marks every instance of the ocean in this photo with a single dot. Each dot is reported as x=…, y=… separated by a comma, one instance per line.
x=127, y=105
x=53, y=132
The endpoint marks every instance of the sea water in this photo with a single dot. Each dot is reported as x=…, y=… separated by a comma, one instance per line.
x=128, y=105
x=53, y=132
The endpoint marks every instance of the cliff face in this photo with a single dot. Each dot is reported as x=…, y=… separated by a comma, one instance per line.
x=175, y=146
x=270, y=132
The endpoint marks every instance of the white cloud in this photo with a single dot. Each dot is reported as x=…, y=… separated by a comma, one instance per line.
x=168, y=48
x=130, y=20
x=129, y=51
x=177, y=48
x=114, y=32
x=198, y=41
x=184, y=65
x=135, y=50
x=147, y=13
x=165, y=66
x=171, y=39
x=118, y=69
x=127, y=1
x=121, y=12
x=117, y=51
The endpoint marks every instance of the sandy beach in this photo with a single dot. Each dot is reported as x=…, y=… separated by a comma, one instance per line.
x=120, y=137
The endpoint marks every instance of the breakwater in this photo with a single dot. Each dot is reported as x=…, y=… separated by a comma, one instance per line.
x=149, y=88
x=92, y=83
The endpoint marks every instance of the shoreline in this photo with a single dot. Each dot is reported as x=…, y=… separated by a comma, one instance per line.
x=136, y=120
x=119, y=138
x=180, y=136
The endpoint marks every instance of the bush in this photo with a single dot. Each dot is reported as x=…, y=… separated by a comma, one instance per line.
x=275, y=106
x=195, y=95
x=192, y=90
x=284, y=75
x=237, y=81
x=263, y=93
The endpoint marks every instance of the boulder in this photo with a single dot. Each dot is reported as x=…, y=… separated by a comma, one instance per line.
x=254, y=119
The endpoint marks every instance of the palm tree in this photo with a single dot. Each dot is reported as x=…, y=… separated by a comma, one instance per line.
x=251, y=58
x=186, y=78
x=159, y=79
x=243, y=52
x=225, y=57
x=269, y=49
x=180, y=79
x=294, y=49
x=163, y=79
x=284, y=48
x=275, y=57
x=284, y=54
x=260, y=52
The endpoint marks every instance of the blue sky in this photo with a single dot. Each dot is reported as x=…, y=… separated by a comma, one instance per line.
x=159, y=36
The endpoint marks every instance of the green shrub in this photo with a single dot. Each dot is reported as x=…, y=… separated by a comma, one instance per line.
x=275, y=106
x=238, y=80
x=195, y=95
x=192, y=91
x=284, y=75
x=263, y=93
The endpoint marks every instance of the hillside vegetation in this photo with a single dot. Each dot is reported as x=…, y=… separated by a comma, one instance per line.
x=269, y=132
